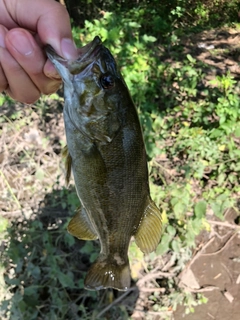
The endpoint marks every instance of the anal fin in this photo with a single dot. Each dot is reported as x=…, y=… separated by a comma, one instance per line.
x=149, y=232
x=81, y=227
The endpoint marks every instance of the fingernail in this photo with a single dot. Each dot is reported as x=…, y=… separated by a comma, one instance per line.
x=50, y=71
x=21, y=43
x=69, y=49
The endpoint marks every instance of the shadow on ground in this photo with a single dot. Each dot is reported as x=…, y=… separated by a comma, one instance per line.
x=45, y=269
x=219, y=50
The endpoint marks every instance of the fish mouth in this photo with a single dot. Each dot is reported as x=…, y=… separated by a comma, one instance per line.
x=85, y=55
x=90, y=50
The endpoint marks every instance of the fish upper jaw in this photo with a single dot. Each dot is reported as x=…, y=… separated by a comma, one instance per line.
x=61, y=66
x=68, y=68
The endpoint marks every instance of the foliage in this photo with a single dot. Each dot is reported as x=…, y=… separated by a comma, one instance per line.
x=44, y=266
x=162, y=17
x=192, y=136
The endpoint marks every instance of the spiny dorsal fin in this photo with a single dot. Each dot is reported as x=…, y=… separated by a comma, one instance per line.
x=149, y=231
x=80, y=226
x=68, y=164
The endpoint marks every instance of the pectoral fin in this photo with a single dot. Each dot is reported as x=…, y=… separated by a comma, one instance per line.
x=149, y=231
x=68, y=164
x=80, y=226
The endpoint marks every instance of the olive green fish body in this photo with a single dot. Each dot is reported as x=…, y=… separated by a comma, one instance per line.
x=106, y=152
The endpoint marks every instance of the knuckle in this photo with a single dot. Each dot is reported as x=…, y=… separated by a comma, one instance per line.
x=28, y=98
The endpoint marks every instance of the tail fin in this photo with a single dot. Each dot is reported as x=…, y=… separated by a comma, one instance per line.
x=108, y=273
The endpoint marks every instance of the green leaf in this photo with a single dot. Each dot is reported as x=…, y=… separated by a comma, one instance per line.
x=163, y=247
x=134, y=24
x=39, y=174
x=2, y=100
x=149, y=38
x=171, y=231
x=216, y=207
x=36, y=271
x=200, y=209
x=113, y=34
x=66, y=280
x=176, y=245
x=80, y=284
x=93, y=257
x=190, y=58
x=22, y=306
x=4, y=305
x=31, y=290
x=3, y=224
x=103, y=33
x=237, y=132
x=179, y=209
x=69, y=239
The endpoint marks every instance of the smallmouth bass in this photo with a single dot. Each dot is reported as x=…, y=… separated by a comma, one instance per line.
x=106, y=154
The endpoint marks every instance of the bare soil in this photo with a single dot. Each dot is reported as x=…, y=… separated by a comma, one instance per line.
x=218, y=49
x=216, y=272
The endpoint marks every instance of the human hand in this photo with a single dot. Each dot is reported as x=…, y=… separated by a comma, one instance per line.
x=26, y=26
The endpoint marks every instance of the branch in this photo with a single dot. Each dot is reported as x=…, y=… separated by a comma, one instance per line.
x=204, y=289
x=153, y=276
x=224, y=224
x=115, y=302
x=220, y=250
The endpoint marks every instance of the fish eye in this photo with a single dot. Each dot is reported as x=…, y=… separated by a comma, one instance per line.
x=107, y=81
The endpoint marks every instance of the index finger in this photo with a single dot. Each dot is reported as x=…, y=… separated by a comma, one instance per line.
x=48, y=18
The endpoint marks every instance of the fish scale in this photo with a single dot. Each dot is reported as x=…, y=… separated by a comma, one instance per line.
x=106, y=153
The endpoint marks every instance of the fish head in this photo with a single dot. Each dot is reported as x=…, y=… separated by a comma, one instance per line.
x=93, y=86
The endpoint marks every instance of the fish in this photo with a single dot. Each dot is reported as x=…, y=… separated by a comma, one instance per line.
x=106, y=154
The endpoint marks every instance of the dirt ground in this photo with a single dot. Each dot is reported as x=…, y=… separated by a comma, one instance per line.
x=218, y=49
x=215, y=272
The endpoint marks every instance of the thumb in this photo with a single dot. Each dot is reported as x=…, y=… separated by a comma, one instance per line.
x=49, y=19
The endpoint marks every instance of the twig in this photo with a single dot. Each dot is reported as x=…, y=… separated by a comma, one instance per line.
x=152, y=271
x=168, y=265
x=153, y=276
x=205, y=289
x=160, y=313
x=161, y=176
x=224, y=236
x=220, y=250
x=162, y=290
x=224, y=224
x=228, y=296
x=210, y=315
x=155, y=312
x=230, y=276
x=115, y=302
x=11, y=213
